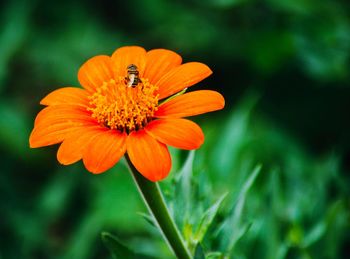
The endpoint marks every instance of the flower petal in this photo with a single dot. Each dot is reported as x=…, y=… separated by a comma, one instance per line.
x=54, y=123
x=159, y=62
x=182, y=77
x=46, y=135
x=104, y=151
x=125, y=56
x=62, y=112
x=179, y=133
x=95, y=71
x=72, y=148
x=67, y=95
x=190, y=104
x=150, y=157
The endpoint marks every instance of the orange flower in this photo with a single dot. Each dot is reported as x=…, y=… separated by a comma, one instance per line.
x=121, y=109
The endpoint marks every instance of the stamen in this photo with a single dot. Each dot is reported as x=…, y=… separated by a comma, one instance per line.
x=117, y=106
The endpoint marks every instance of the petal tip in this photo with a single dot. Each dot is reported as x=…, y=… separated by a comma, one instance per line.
x=150, y=157
x=95, y=71
x=205, y=69
x=62, y=161
x=221, y=101
x=94, y=169
x=33, y=142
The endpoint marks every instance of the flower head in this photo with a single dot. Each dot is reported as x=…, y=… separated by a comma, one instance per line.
x=123, y=107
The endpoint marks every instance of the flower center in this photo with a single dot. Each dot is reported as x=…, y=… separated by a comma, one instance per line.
x=118, y=106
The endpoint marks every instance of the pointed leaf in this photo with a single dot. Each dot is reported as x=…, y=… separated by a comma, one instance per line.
x=207, y=219
x=243, y=193
x=117, y=249
x=231, y=227
x=183, y=198
x=148, y=218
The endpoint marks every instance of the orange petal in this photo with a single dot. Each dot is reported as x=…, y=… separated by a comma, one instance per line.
x=150, y=157
x=54, y=123
x=72, y=148
x=62, y=112
x=182, y=77
x=95, y=71
x=159, y=62
x=190, y=104
x=45, y=135
x=125, y=56
x=67, y=95
x=179, y=133
x=104, y=151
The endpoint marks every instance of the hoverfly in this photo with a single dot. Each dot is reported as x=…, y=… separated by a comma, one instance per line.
x=132, y=79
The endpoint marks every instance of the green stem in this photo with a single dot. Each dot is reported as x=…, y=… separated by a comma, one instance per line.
x=155, y=203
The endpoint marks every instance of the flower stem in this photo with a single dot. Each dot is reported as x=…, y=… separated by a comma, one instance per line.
x=155, y=203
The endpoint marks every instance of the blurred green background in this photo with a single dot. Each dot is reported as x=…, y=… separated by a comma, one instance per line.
x=284, y=69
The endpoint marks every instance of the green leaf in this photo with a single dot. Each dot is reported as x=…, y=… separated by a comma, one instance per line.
x=182, y=199
x=232, y=228
x=117, y=249
x=199, y=253
x=315, y=234
x=185, y=175
x=243, y=193
x=207, y=219
x=148, y=218
x=214, y=255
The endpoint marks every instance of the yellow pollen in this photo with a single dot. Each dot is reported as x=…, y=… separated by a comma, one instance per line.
x=117, y=106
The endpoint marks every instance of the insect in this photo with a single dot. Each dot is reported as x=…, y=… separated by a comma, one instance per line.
x=132, y=79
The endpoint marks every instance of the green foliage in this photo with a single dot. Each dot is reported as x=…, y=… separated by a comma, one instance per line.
x=189, y=209
x=198, y=252
x=233, y=227
x=286, y=214
x=117, y=249
x=197, y=221
x=206, y=220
